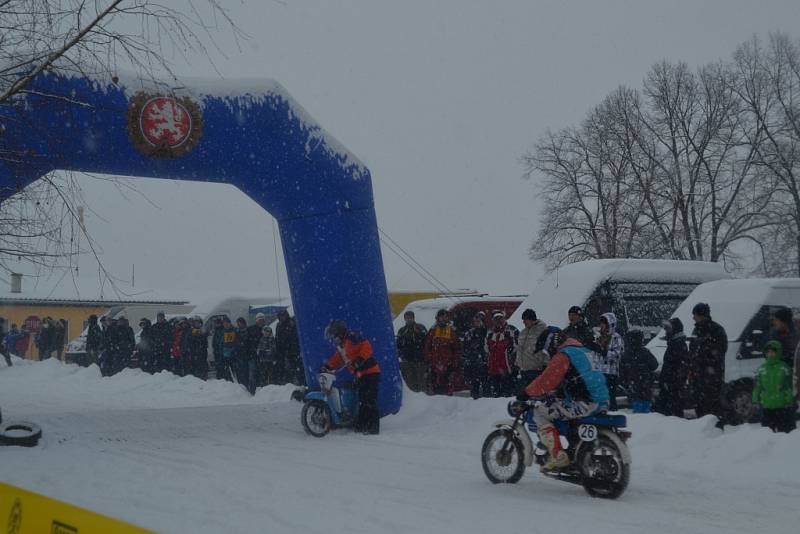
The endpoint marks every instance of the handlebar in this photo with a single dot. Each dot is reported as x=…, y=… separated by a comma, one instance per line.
x=516, y=407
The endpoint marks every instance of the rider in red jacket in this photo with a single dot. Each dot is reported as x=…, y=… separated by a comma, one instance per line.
x=574, y=390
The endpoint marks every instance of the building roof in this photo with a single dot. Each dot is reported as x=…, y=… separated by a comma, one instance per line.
x=59, y=288
x=6, y=301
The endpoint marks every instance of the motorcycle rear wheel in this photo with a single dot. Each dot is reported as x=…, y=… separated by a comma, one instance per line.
x=605, y=474
x=316, y=418
x=502, y=457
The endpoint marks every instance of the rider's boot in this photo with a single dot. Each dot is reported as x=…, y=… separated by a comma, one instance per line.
x=550, y=439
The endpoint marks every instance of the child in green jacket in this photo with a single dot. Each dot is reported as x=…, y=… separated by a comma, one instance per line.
x=773, y=391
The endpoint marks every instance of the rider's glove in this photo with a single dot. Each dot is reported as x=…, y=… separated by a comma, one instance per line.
x=522, y=396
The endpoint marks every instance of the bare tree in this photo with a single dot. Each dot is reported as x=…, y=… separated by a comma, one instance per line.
x=704, y=160
x=41, y=224
x=592, y=205
x=668, y=172
x=768, y=83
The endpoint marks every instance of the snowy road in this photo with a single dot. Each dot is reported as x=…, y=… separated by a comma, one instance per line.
x=214, y=460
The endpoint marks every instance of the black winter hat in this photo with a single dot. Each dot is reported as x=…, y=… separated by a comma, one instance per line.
x=702, y=309
x=575, y=309
x=634, y=339
x=674, y=326
x=784, y=315
x=529, y=315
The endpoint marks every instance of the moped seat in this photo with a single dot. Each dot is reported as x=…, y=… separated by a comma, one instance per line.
x=603, y=419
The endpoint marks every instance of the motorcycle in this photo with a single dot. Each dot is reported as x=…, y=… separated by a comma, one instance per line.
x=599, y=457
x=331, y=407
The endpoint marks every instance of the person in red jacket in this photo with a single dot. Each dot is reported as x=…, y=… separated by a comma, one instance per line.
x=23, y=342
x=355, y=352
x=180, y=347
x=501, y=350
x=442, y=352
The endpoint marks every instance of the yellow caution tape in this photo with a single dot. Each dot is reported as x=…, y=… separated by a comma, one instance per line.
x=23, y=512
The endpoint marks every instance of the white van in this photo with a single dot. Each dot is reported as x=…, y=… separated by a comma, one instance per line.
x=642, y=293
x=744, y=308
x=238, y=306
x=76, y=348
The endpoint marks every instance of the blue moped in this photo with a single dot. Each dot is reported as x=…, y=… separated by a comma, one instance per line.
x=331, y=407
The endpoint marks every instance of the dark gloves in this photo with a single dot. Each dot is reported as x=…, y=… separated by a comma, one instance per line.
x=522, y=396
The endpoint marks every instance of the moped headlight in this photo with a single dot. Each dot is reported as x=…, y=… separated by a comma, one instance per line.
x=515, y=408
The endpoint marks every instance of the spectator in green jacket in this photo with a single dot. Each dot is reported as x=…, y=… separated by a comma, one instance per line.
x=773, y=391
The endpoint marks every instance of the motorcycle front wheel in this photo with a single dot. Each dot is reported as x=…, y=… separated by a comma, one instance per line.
x=316, y=418
x=605, y=474
x=502, y=457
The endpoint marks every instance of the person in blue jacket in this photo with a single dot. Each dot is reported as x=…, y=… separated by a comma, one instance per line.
x=10, y=343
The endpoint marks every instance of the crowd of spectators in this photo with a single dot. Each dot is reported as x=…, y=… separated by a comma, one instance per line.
x=50, y=340
x=251, y=355
x=493, y=359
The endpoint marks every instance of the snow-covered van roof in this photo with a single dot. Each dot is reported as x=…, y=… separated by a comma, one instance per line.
x=732, y=302
x=573, y=284
x=238, y=304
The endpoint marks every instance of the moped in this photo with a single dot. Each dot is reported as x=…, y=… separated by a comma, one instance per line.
x=599, y=457
x=331, y=407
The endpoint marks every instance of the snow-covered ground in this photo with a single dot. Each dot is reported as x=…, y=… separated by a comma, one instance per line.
x=180, y=455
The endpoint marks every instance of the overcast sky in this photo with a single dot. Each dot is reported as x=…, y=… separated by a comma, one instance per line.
x=440, y=99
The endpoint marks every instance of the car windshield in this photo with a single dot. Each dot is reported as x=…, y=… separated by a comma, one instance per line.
x=650, y=313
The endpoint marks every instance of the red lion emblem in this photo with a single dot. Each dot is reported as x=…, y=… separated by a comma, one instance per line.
x=165, y=121
x=164, y=126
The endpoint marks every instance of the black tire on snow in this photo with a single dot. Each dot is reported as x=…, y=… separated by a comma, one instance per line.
x=601, y=489
x=516, y=458
x=319, y=409
x=20, y=434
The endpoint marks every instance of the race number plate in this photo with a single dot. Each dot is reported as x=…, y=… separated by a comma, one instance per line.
x=587, y=432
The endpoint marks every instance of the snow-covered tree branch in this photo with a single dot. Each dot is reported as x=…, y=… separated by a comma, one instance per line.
x=40, y=224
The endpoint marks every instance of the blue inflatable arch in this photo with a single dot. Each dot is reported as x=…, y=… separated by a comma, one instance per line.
x=254, y=136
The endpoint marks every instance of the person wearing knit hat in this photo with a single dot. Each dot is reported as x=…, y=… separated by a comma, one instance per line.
x=773, y=391
x=411, y=349
x=474, y=356
x=501, y=350
x=577, y=328
x=532, y=357
x=701, y=309
x=674, y=368
x=785, y=333
x=707, y=356
x=442, y=353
